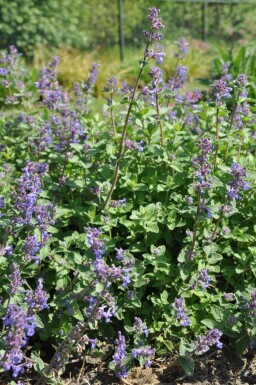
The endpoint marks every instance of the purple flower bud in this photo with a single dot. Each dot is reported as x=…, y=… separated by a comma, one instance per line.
x=211, y=338
x=241, y=80
x=3, y=71
x=179, y=306
x=238, y=183
x=182, y=45
x=220, y=89
x=15, y=278
x=120, y=355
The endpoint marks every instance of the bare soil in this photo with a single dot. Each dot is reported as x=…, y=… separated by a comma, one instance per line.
x=215, y=368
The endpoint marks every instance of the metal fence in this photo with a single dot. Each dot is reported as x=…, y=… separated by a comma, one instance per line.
x=204, y=13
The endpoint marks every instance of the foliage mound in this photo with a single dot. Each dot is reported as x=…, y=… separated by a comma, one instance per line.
x=130, y=231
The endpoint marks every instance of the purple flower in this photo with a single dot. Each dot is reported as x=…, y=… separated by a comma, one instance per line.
x=3, y=71
x=177, y=81
x=156, y=22
x=29, y=188
x=37, y=300
x=119, y=203
x=120, y=253
x=132, y=145
x=220, y=89
x=156, y=75
x=120, y=355
x=182, y=45
x=2, y=203
x=112, y=81
x=179, y=306
x=15, y=278
x=202, y=165
x=19, y=326
x=224, y=71
x=31, y=248
x=97, y=245
x=251, y=305
x=8, y=250
x=146, y=352
x=225, y=230
x=93, y=342
x=241, y=80
x=140, y=327
x=204, y=279
x=211, y=338
x=238, y=183
x=229, y=296
x=126, y=89
x=157, y=55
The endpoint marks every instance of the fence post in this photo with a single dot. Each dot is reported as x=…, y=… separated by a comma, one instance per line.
x=204, y=20
x=120, y=29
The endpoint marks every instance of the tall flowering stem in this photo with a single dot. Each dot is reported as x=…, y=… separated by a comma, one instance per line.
x=230, y=126
x=121, y=146
x=152, y=35
x=240, y=83
x=202, y=170
x=217, y=137
x=160, y=121
x=196, y=221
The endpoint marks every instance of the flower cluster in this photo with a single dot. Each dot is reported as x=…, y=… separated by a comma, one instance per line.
x=178, y=80
x=14, y=76
x=210, y=339
x=145, y=352
x=251, y=305
x=19, y=327
x=132, y=145
x=203, y=280
x=120, y=355
x=15, y=278
x=182, y=46
x=224, y=72
x=29, y=188
x=241, y=80
x=202, y=165
x=52, y=95
x=37, y=300
x=156, y=23
x=179, y=306
x=221, y=90
x=118, y=203
x=238, y=183
x=29, y=213
x=140, y=327
x=97, y=245
x=81, y=90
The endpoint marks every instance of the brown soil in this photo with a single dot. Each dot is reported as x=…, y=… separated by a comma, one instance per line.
x=216, y=368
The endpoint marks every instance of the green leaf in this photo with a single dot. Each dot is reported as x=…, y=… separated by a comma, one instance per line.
x=211, y=324
x=188, y=365
x=242, y=344
x=38, y=364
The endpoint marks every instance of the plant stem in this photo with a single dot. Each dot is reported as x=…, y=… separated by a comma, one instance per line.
x=218, y=222
x=121, y=146
x=230, y=126
x=159, y=119
x=196, y=222
x=112, y=115
x=217, y=138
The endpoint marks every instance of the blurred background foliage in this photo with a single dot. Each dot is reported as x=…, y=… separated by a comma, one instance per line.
x=84, y=31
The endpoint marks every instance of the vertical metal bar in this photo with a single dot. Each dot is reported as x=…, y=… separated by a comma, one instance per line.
x=204, y=20
x=120, y=29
